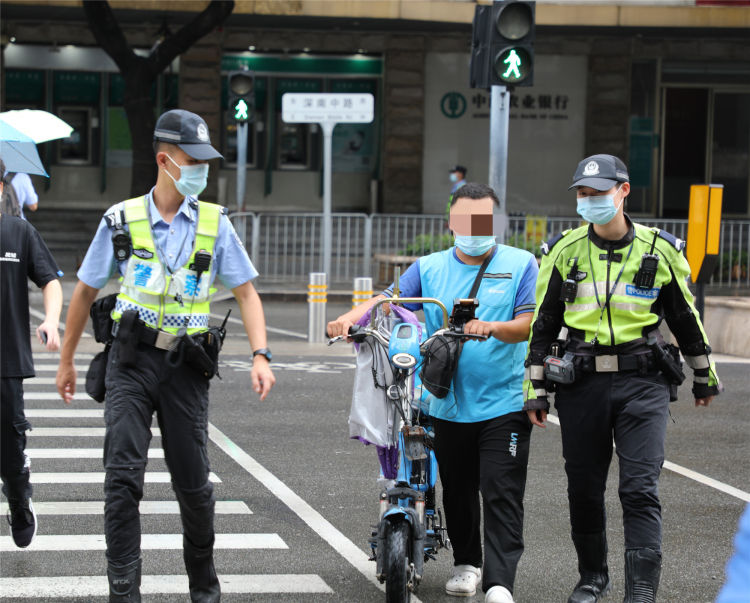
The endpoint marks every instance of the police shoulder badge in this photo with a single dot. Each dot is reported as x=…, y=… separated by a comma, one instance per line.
x=144, y=254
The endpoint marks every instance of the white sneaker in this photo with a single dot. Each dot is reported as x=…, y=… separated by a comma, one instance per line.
x=498, y=594
x=464, y=581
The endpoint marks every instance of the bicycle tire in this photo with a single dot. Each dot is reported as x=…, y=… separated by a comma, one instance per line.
x=397, y=563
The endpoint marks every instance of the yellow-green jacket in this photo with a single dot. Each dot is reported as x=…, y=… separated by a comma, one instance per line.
x=619, y=316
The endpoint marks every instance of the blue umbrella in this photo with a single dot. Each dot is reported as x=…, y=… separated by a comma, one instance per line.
x=18, y=152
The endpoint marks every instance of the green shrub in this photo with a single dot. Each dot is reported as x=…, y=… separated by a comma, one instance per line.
x=425, y=243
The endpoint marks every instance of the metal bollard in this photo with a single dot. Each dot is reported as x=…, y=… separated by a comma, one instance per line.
x=362, y=290
x=317, y=293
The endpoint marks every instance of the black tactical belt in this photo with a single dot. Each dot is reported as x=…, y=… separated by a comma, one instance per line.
x=615, y=363
x=150, y=336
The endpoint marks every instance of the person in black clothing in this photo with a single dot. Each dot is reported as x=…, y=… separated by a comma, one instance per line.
x=23, y=255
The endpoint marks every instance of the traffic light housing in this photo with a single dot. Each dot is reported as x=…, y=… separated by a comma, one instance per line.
x=503, y=44
x=241, y=96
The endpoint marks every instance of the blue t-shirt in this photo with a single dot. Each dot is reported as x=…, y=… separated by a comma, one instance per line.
x=174, y=244
x=488, y=381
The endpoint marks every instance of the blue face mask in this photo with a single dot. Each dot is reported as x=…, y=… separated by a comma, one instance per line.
x=599, y=209
x=453, y=177
x=475, y=246
x=193, y=178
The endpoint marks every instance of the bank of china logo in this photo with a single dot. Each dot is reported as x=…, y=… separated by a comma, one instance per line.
x=202, y=132
x=591, y=169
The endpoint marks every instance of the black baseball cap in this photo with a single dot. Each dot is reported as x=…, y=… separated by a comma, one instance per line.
x=601, y=172
x=458, y=168
x=186, y=130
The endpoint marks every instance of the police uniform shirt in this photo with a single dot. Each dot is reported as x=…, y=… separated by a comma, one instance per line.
x=23, y=256
x=174, y=244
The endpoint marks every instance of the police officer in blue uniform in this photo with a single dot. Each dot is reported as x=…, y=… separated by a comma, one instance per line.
x=178, y=245
x=602, y=292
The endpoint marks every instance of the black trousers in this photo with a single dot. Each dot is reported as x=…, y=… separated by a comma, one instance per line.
x=14, y=468
x=179, y=396
x=632, y=409
x=488, y=457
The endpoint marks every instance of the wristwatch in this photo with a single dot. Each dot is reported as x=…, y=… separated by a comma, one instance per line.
x=263, y=352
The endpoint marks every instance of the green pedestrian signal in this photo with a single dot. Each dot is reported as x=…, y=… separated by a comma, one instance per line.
x=241, y=89
x=502, y=45
x=513, y=65
x=240, y=110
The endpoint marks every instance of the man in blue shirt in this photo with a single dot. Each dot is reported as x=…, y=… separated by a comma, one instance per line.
x=142, y=375
x=481, y=433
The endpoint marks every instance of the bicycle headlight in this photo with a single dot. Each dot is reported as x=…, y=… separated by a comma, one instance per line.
x=403, y=360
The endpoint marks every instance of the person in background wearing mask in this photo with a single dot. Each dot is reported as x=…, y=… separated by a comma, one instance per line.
x=457, y=176
x=481, y=432
x=603, y=291
x=174, y=247
x=23, y=256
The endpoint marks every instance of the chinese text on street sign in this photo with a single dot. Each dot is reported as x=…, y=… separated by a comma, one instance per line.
x=319, y=107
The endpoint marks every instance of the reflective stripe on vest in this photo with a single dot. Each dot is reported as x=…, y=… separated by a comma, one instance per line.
x=163, y=300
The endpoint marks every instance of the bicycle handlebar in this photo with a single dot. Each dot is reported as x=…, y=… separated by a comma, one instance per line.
x=359, y=333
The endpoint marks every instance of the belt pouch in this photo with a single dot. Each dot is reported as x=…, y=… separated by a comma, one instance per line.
x=197, y=358
x=129, y=334
x=101, y=317
x=96, y=374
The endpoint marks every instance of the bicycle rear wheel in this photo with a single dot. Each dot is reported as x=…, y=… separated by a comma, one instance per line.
x=397, y=565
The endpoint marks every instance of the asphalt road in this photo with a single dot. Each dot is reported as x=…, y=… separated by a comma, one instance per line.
x=313, y=491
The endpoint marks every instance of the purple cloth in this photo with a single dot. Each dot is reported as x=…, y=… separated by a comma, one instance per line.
x=388, y=457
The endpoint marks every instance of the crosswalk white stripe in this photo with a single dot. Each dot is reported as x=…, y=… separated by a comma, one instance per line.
x=96, y=586
x=56, y=356
x=42, y=368
x=75, y=432
x=54, y=396
x=97, y=477
x=147, y=507
x=64, y=412
x=80, y=453
x=149, y=542
x=45, y=381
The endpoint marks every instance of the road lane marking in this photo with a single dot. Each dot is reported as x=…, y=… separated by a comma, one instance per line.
x=147, y=507
x=268, y=327
x=54, y=396
x=61, y=325
x=64, y=412
x=75, y=432
x=690, y=474
x=97, y=477
x=319, y=524
x=80, y=453
x=149, y=542
x=97, y=586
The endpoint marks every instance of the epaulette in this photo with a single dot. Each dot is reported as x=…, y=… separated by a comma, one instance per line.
x=678, y=244
x=115, y=218
x=548, y=245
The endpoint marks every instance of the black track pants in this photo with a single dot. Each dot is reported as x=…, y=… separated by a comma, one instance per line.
x=14, y=469
x=633, y=410
x=180, y=398
x=488, y=457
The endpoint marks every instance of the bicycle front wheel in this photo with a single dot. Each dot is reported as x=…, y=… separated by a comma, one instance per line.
x=397, y=563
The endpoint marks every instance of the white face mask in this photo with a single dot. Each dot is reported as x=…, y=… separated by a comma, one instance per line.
x=193, y=178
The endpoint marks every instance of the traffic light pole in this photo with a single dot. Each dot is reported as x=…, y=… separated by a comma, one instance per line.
x=498, y=174
x=241, y=171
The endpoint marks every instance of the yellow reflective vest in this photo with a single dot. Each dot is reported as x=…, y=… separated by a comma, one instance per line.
x=165, y=300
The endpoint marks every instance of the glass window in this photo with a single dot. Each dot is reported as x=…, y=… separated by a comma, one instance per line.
x=76, y=149
x=730, y=150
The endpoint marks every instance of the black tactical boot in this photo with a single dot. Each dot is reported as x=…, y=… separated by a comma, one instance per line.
x=199, y=563
x=124, y=582
x=642, y=571
x=592, y=565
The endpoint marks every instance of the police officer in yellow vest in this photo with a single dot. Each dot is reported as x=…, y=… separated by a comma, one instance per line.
x=602, y=292
x=168, y=247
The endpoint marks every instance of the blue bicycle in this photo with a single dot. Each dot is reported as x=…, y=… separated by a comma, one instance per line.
x=410, y=528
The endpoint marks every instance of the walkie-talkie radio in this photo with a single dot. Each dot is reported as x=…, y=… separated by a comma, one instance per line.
x=569, y=288
x=646, y=275
x=201, y=262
